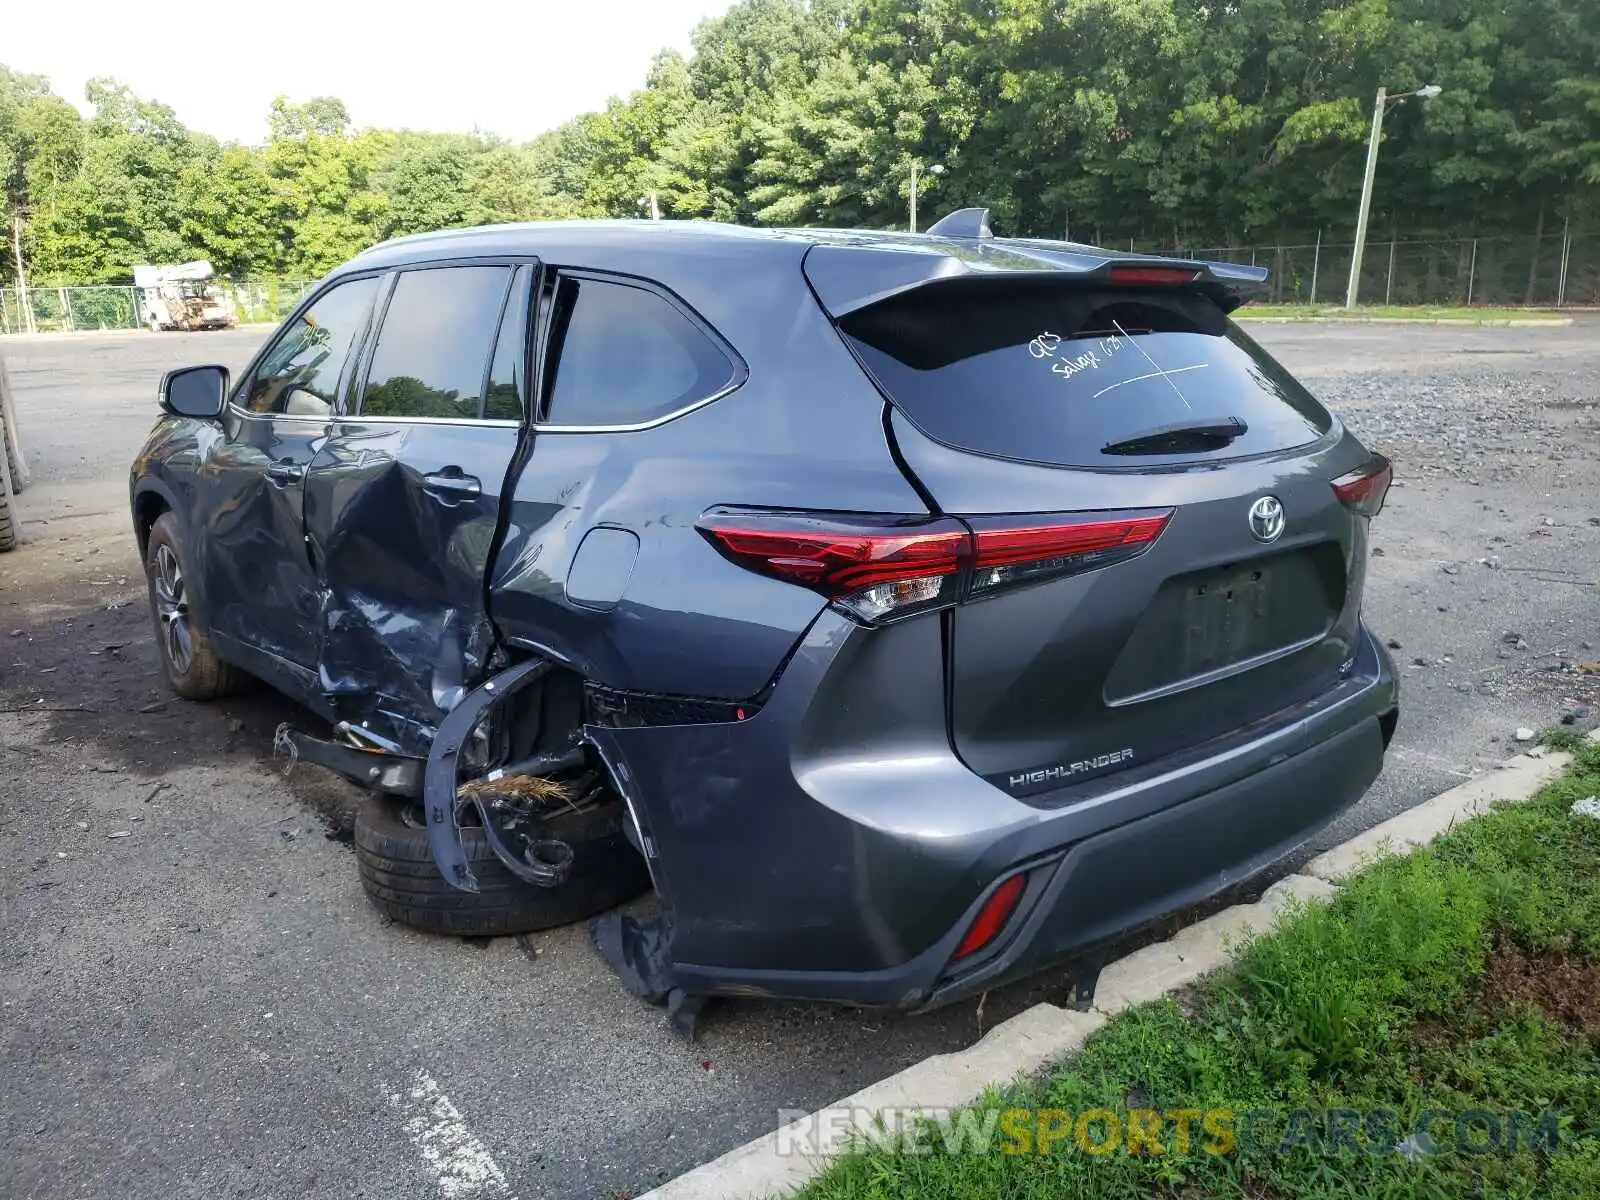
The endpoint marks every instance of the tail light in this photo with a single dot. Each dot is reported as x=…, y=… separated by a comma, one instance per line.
x=875, y=567
x=884, y=568
x=1363, y=490
x=1012, y=552
x=991, y=918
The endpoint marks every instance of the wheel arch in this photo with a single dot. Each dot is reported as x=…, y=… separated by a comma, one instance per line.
x=150, y=501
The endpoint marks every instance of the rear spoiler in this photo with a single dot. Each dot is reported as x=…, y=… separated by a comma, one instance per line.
x=848, y=278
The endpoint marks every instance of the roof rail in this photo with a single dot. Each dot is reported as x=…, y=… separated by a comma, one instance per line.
x=963, y=223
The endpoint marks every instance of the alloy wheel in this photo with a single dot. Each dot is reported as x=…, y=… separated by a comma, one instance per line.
x=172, y=609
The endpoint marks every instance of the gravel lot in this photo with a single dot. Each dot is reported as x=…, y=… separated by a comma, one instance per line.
x=195, y=999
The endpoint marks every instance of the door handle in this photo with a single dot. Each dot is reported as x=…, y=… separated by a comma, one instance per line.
x=286, y=472
x=452, y=483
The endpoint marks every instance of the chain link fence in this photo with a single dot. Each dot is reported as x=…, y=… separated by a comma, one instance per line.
x=65, y=309
x=1559, y=269
x=1555, y=270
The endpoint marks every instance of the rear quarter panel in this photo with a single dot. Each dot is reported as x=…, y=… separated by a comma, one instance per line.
x=805, y=430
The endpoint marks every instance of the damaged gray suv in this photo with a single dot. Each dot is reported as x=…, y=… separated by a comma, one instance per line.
x=910, y=612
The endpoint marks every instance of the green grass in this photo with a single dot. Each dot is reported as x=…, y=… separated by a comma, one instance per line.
x=1369, y=1002
x=1392, y=312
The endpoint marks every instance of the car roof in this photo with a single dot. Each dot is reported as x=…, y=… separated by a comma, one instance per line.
x=848, y=268
x=544, y=237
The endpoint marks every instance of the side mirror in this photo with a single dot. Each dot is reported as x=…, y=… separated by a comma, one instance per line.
x=195, y=392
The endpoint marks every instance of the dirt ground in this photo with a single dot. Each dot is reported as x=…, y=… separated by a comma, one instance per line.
x=1561, y=986
x=195, y=998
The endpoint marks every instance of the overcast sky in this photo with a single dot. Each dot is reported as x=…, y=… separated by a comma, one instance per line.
x=512, y=67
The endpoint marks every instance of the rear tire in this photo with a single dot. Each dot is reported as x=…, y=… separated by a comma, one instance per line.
x=191, y=664
x=402, y=880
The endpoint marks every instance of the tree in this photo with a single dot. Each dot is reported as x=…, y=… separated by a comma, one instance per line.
x=424, y=181
x=839, y=152
x=322, y=177
x=119, y=206
x=1168, y=123
x=229, y=214
x=322, y=115
x=38, y=150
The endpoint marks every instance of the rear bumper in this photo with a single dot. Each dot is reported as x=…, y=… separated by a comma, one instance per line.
x=834, y=848
x=1130, y=874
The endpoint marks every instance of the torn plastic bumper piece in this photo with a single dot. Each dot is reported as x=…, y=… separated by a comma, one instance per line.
x=546, y=865
x=393, y=774
x=639, y=951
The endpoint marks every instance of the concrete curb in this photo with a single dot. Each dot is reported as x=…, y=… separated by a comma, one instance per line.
x=780, y=1162
x=1515, y=779
x=784, y=1160
x=140, y=332
x=1505, y=323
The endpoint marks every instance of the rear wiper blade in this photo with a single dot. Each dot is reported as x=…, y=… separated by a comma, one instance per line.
x=1183, y=438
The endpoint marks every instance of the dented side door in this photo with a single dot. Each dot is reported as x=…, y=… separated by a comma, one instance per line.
x=402, y=507
x=260, y=592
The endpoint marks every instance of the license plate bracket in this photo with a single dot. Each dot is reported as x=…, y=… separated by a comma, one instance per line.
x=1224, y=616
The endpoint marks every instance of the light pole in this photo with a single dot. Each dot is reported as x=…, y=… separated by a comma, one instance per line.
x=936, y=169
x=1378, y=108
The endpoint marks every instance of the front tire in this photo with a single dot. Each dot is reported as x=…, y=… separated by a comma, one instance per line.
x=191, y=664
x=403, y=881
x=8, y=521
x=8, y=485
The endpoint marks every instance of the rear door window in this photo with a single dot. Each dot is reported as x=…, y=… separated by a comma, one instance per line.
x=1062, y=375
x=432, y=356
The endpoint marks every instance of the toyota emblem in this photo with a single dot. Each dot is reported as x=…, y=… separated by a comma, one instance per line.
x=1266, y=519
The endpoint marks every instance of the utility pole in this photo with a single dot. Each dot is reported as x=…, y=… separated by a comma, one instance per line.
x=1366, y=199
x=26, y=314
x=936, y=169
x=1378, y=107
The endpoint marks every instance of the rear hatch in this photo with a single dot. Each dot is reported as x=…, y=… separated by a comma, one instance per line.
x=1223, y=591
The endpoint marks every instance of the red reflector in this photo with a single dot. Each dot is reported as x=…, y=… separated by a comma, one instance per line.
x=834, y=558
x=996, y=910
x=1364, y=490
x=1002, y=547
x=1167, y=275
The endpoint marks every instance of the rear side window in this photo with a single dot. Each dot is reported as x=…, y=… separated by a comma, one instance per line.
x=432, y=357
x=299, y=376
x=625, y=355
x=1067, y=375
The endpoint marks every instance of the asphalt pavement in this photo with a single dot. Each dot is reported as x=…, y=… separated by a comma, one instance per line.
x=196, y=999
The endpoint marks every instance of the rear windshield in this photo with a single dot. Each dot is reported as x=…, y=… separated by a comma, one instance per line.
x=1059, y=374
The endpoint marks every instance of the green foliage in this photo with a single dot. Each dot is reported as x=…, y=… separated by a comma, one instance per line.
x=1418, y=930
x=1167, y=123
x=228, y=212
